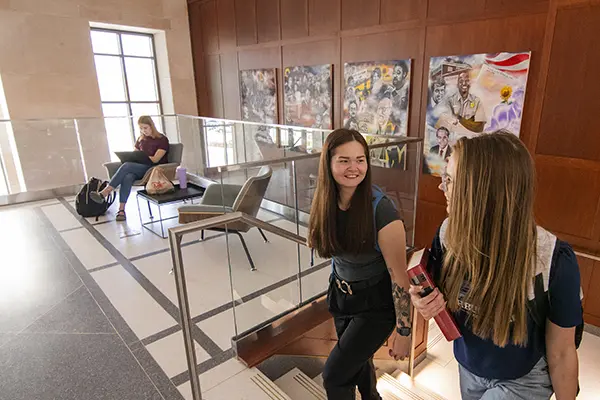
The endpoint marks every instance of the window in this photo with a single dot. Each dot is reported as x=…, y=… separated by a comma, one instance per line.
x=128, y=82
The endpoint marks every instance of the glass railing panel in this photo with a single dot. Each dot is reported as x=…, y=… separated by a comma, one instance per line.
x=49, y=153
x=263, y=266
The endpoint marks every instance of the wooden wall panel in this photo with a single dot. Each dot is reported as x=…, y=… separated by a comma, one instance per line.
x=294, y=19
x=429, y=218
x=231, y=86
x=199, y=58
x=245, y=22
x=267, y=20
x=214, y=86
x=508, y=5
x=208, y=21
x=401, y=10
x=566, y=189
x=561, y=91
x=568, y=127
x=592, y=303
x=359, y=13
x=586, y=266
x=269, y=57
x=226, y=24
x=324, y=17
x=451, y=9
x=324, y=52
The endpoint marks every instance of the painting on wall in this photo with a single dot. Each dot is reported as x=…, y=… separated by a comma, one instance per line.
x=376, y=100
x=308, y=96
x=258, y=88
x=472, y=95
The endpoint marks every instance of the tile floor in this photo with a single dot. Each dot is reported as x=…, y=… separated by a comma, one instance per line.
x=97, y=303
x=129, y=267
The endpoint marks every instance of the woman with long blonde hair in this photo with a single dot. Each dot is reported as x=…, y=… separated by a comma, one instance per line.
x=156, y=147
x=493, y=265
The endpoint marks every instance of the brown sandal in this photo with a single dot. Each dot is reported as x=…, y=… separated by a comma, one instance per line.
x=121, y=216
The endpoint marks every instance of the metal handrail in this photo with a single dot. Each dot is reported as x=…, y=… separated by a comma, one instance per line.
x=389, y=141
x=175, y=238
x=237, y=216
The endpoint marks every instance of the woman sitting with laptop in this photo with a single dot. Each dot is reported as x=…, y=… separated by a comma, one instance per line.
x=156, y=147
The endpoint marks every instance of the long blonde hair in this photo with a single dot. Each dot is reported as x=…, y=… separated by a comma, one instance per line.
x=491, y=235
x=147, y=120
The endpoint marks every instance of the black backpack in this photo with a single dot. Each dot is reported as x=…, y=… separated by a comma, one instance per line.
x=85, y=206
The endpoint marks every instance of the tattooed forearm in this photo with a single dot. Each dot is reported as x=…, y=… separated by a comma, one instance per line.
x=402, y=305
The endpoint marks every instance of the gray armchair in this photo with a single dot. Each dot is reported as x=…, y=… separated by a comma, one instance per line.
x=174, y=160
x=221, y=199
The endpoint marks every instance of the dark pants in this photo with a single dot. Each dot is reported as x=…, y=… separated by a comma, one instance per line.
x=125, y=176
x=363, y=322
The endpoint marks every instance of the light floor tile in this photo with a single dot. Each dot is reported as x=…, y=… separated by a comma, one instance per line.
x=207, y=279
x=315, y=283
x=239, y=387
x=213, y=377
x=29, y=205
x=220, y=328
x=442, y=352
x=143, y=315
x=207, y=269
x=267, y=306
x=60, y=217
x=169, y=353
x=89, y=251
x=441, y=380
x=119, y=235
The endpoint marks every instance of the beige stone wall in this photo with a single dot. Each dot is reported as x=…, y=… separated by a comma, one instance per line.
x=47, y=69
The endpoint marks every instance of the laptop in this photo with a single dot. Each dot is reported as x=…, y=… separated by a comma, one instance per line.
x=136, y=156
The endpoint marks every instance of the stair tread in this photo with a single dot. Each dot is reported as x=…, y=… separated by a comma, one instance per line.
x=249, y=384
x=298, y=386
x=404, y=387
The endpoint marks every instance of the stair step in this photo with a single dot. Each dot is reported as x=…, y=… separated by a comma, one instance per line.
x=248, y=384
x=403, y=388
x=298, y=386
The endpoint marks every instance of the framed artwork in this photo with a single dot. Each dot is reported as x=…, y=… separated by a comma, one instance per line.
x=258, y=89
x=376, y=101
x=308, y=96
x=471, y=95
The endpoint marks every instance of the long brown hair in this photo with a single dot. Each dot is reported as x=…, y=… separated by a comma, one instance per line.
x=147, y=120
x=322, y=225
x=491, y=235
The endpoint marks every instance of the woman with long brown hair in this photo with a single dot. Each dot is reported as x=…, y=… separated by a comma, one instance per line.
x=495, y=266
x=357, y=226
x=151, y=142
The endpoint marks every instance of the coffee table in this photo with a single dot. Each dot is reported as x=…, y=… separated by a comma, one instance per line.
x=192, y=192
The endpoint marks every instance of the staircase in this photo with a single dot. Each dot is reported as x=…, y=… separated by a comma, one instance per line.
x=296, y=385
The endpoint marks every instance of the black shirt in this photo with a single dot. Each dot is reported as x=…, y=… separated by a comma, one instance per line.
x=358, y=267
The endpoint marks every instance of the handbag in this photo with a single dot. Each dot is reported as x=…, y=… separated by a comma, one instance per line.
x=158, y=183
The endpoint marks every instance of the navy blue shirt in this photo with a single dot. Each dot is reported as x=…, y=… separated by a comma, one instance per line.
x=481, y=356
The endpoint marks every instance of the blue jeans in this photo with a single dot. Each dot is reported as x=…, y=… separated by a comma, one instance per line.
x=536, y=385
x=125, y=176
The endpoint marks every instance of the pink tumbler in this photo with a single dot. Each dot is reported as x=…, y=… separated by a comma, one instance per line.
x=182, y=177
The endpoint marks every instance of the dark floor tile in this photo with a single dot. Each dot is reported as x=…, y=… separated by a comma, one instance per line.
x=32, y=284
x=5, y=338
x=35, y=275
x=78, y=313
x=63, y=366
